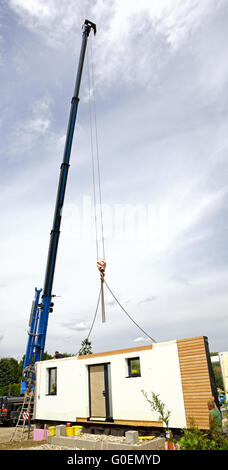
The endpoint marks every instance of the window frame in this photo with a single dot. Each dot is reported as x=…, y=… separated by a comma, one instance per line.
x=129, y=367
x=49, y=371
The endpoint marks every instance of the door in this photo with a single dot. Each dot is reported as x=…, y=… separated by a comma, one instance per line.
x=100, y=396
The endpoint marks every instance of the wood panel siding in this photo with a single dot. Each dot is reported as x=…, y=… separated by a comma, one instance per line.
x=196, y=380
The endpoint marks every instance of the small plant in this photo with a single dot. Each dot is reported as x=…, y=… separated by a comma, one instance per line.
x=86, y=348
x=157, y=405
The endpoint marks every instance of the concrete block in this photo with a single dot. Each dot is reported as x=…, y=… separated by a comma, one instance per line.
x=89, y=444
x=60, y=430
x=131, y=437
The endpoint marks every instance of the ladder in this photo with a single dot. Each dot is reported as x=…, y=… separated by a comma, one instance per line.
x=24, y=415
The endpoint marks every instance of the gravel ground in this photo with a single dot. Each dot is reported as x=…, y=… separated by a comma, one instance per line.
x=29, y=444
x=90, y=437
x=48, y=447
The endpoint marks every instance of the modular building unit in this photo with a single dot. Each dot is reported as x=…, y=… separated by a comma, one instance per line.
x=107, y=387
x=223, y=358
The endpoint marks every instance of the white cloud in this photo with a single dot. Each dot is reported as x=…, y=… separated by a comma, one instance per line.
x=36, y=8
x=137, y=39
x=134, y=39
x=191, y=208
x=1, y=49
x=80, y=326
x=28, y=131
x=53, y=20
x=188, y=208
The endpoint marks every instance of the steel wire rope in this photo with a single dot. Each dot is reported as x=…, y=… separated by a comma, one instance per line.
x=92, y=157
x=92, y=93
x=94, y=192
x=121, y=306
x=97, y=147
x=94, y=318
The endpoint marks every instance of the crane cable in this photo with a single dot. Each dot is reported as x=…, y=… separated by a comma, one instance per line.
x=101, y=264
x=97, y=151
x=92, y=155
x=92, y=324
x=121, y=306
x=92, y=112
x=94, y=318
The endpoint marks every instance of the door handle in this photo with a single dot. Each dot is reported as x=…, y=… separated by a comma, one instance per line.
x=104, y=393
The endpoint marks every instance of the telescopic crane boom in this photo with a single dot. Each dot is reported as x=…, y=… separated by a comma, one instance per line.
x=40, y=309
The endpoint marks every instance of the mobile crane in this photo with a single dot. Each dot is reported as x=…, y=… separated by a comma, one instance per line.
x=42, y=305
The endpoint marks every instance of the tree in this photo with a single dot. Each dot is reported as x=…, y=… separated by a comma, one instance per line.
x=86, y=348
x=47, y=356
x=9, y=372
x=11, y=375
x=218, y=375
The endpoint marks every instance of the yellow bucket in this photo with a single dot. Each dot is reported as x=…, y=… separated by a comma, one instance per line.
x=52, y=430
x=77, y=430
x=69, y=431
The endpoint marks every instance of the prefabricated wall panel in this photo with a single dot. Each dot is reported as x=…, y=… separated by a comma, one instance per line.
x=176, y=370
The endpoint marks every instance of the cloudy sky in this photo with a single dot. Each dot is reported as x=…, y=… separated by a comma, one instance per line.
x=160, y=82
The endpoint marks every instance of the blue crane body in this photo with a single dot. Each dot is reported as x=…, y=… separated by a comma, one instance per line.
x=42, y=305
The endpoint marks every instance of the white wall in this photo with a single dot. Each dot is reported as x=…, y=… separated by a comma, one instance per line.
x=72, y=390
x=160, y=373
x=223, y=357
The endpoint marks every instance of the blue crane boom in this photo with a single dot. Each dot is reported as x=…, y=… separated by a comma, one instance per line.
x=40, y=309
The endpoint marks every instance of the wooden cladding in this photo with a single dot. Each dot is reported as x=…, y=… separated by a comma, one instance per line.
x=196, y=382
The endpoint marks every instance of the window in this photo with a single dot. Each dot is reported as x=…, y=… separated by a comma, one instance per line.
x=52, y=381
x=134, y=367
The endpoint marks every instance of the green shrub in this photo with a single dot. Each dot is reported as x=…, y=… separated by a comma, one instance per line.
x=196, y=439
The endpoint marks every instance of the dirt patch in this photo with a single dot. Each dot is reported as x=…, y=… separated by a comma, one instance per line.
x=20, y=445
x=5, y=433
x=6, y=444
